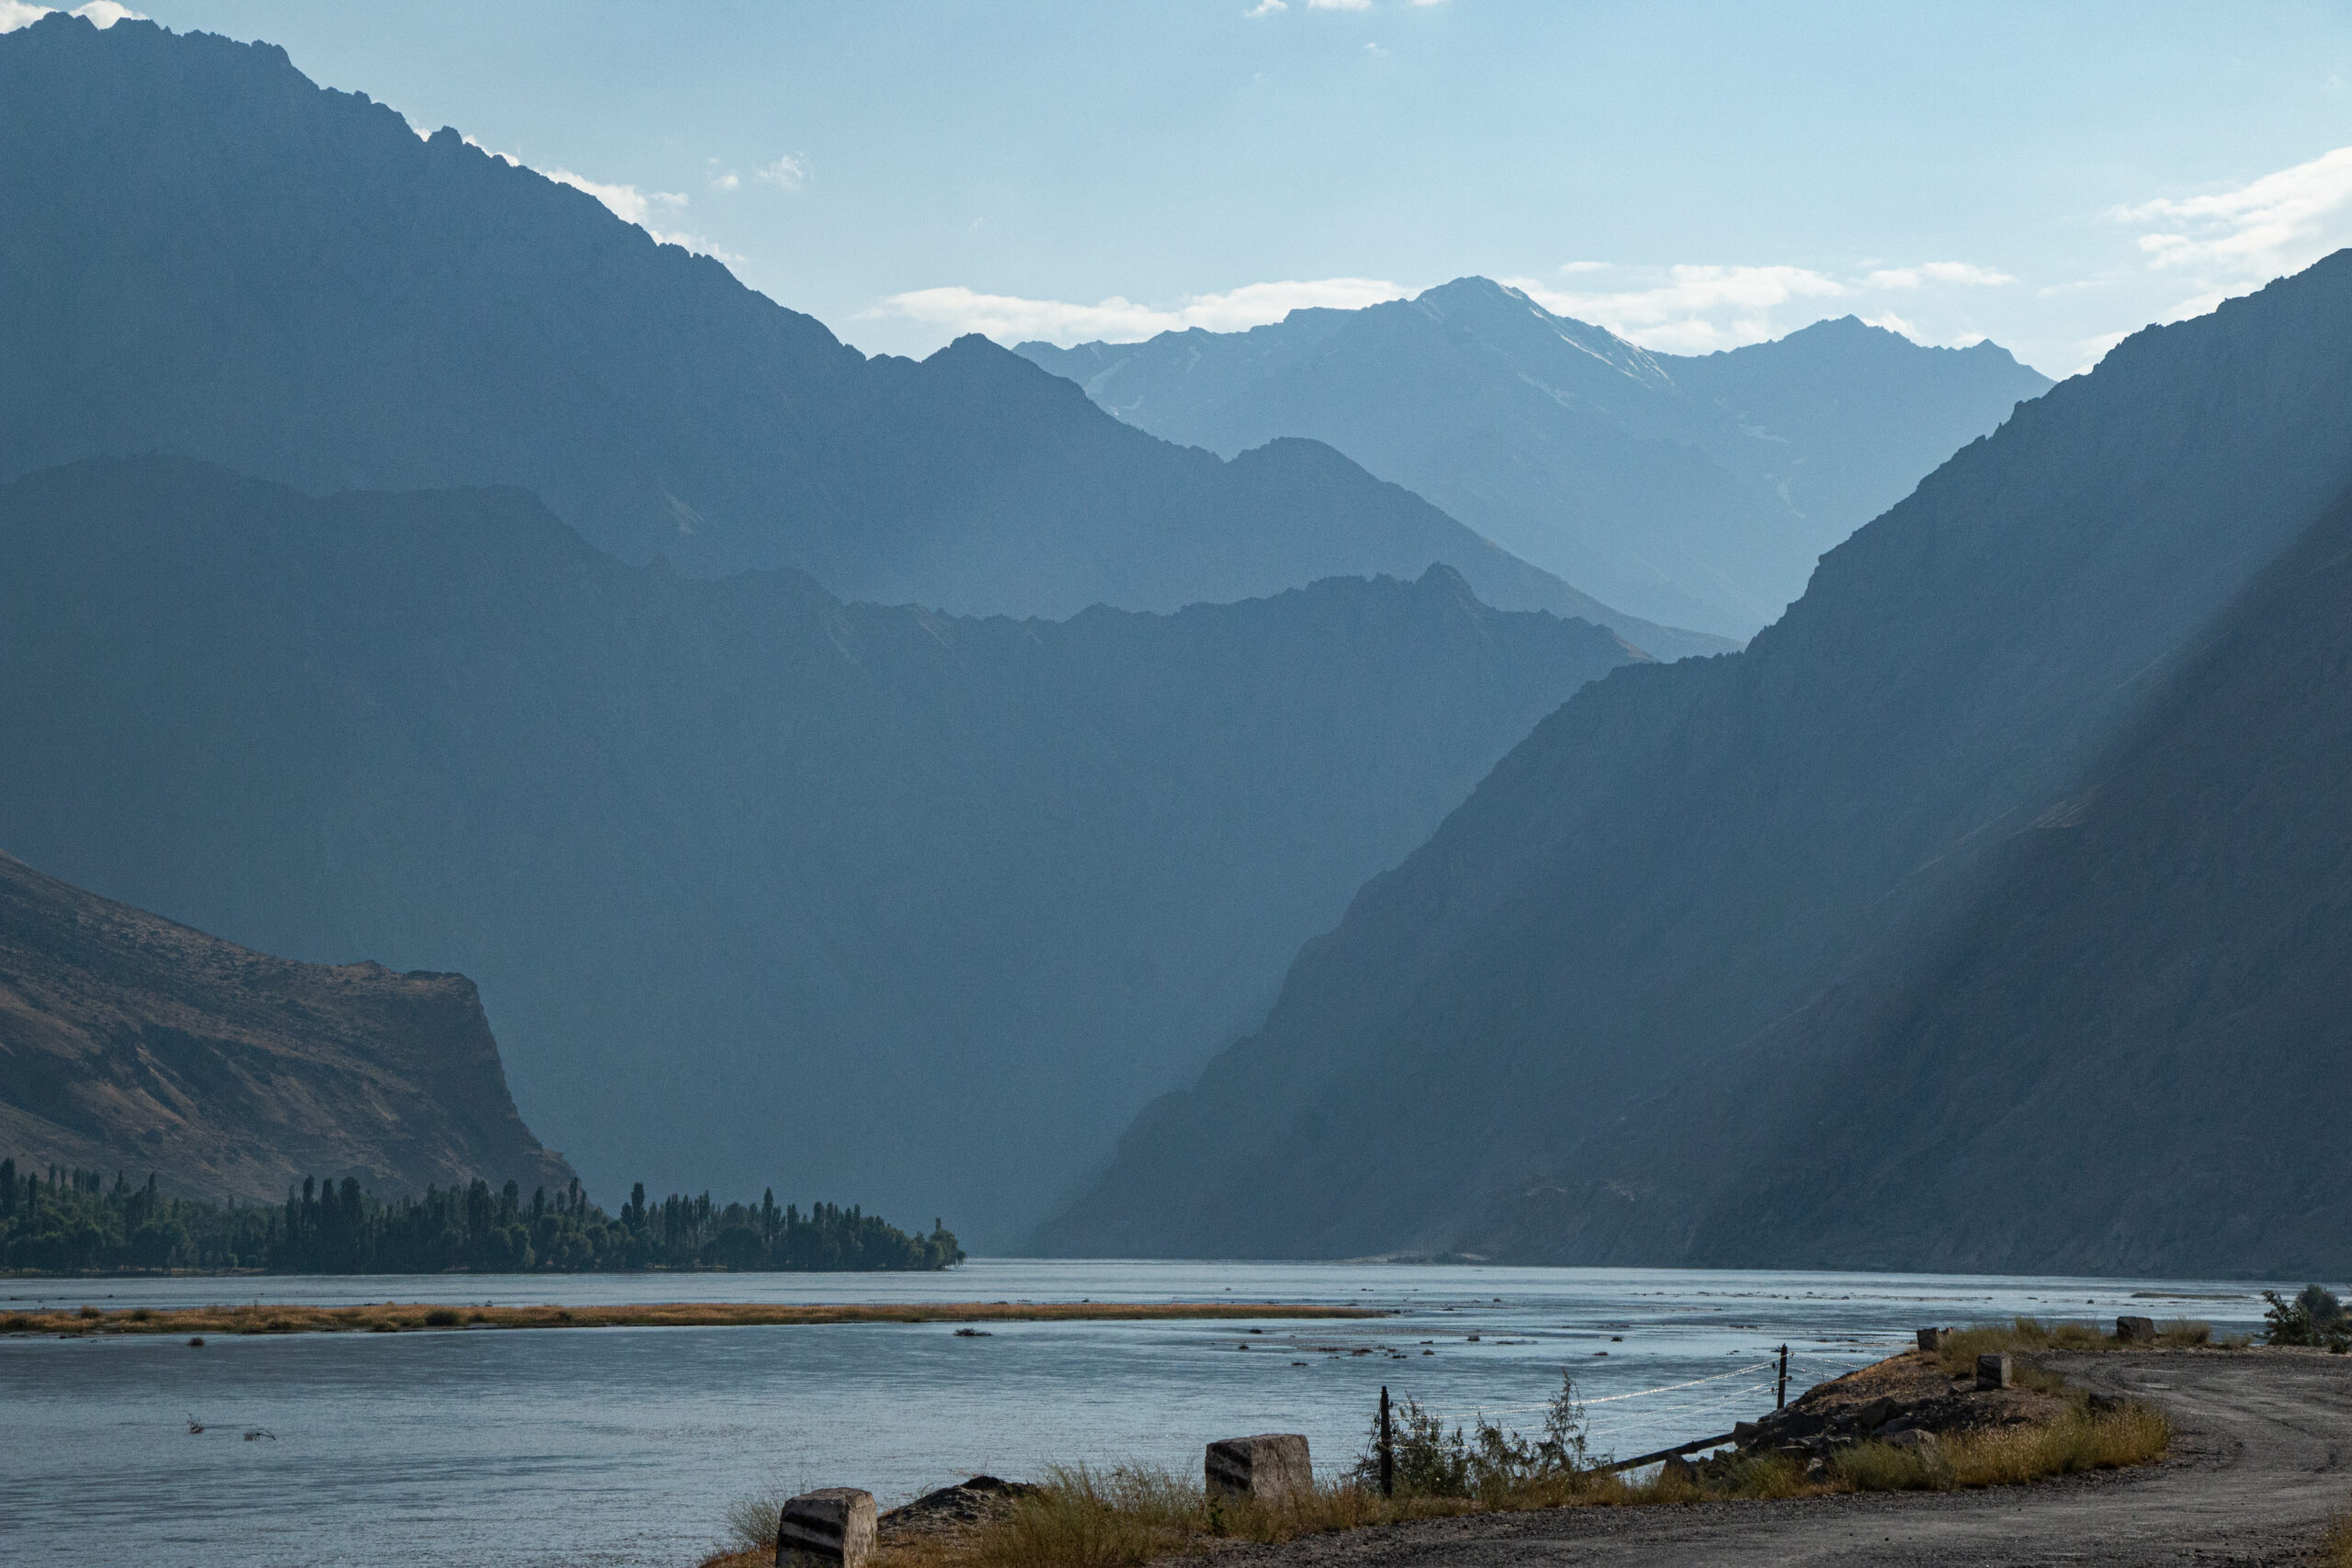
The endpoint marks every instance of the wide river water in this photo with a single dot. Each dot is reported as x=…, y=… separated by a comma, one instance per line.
x=525, y=1449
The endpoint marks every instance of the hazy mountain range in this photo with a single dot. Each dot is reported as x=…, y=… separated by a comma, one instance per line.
x=210, y=256
x=759, y=888
x=656, y=662
x=1697, y=492
x=1987, y=911
x=130, y=1043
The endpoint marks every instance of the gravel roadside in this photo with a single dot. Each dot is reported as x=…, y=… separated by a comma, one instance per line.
x=2261, y=1462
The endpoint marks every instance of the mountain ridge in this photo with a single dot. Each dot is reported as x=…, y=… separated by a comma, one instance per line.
x=1696, y=490
x=991, y=883
x=217, y=258
x=1680, y=856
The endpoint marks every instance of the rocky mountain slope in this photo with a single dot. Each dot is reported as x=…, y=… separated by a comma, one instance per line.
x=130, y=1043
x=1684, y=859
x=759, y=887
x=2130, y=1056
x=210, y=256
x=1698, y=492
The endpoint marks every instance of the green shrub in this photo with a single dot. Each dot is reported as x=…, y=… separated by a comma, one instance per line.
x=2314, y=1317
x=1490, y=1464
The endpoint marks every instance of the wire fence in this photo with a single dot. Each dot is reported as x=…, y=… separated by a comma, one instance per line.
x=1720, y=1402
x=1721, y=1405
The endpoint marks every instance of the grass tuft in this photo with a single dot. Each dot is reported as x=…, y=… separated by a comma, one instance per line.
x=2336, y=1551
x=751, y=1521
x=2010, y=1456
x=2023, y=1336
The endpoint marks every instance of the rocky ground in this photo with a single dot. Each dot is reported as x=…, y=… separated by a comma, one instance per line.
x=1906, y=1400
x=2261, y=1462
x=949, y=1511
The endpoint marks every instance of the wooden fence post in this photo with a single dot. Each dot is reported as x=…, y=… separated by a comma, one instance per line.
x=1388, y=1451
x=1781, y=1400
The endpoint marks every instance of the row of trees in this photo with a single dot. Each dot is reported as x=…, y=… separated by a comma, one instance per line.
x=74, y=1223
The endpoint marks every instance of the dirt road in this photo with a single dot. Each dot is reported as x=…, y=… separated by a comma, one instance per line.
x=2261, y=1462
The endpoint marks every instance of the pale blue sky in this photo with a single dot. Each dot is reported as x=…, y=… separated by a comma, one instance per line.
x=1695, y=176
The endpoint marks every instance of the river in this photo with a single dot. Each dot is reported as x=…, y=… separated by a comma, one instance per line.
x=623, y=1448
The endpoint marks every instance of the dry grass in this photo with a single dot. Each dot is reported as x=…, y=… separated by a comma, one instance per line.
x=1958, y=1352
x=391, y=1318
x=1085, y=1518
x=2010, y=1456
x=2336, y=1551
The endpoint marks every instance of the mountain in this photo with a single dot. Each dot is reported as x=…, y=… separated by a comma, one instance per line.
x=759, y=887
x=1574, y=1026
x=210, y=256
x=1697, y=492
x=130, y=1043
x=2131, y=1055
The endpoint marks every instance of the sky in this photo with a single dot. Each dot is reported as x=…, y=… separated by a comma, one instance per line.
x=1694, y=176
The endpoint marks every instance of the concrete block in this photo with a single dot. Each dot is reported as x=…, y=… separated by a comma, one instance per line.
x=2136, y=1330
x=834, y=1525
x=1992, y=1371
x=1930, y=1338
x=1269, y=1467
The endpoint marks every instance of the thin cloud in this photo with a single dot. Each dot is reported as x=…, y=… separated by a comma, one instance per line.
x=1012, y=318
x=1339, y=5
x=2230, y=240
x=635, y=206
x=1267, y=8
x=1695, y=310
x=1698, y=310
x=1950, y=273
x=789, y=171
x=625, y=200
x=15, y=14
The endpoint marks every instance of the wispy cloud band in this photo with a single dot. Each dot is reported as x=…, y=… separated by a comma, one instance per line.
x=1012, y=318
x=2228, y=240
x=1700, y=309
x=15, y=14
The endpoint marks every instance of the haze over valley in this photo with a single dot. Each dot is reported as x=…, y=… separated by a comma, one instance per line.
x=1510, y=788
x=1059, y=785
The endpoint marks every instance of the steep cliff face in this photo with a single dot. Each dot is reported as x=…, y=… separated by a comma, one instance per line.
x=760, y=886
x=1683, y=857
x=127, y=1042
x=2133, y=1053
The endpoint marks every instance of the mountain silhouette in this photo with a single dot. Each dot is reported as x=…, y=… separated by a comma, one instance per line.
x=1695, y=490
x=1831, y=931
x=759, y=887
x=210, y=256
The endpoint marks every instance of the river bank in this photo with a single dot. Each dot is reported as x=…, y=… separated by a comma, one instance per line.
x=393, y=1318
x=1903, y=1424
x=624, y=1448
